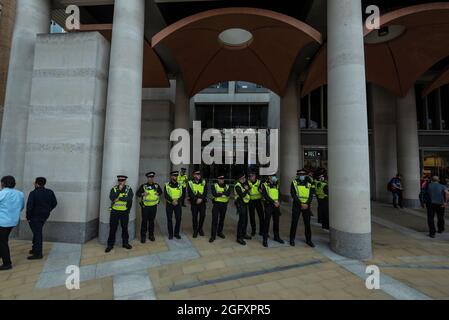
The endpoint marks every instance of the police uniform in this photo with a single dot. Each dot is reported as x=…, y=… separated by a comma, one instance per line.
x=270, y=193
x=148, y=203
x=301, y=193
x=322, y=195
x=182, y=180
x=255, y=204
x=197, y=190
x=174, y=191
x=242, y=199
x=122, y=200
x=221, y=194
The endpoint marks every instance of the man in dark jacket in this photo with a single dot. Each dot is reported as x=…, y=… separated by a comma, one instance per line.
x=41, y=202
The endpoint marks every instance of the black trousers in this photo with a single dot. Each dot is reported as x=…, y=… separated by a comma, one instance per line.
x=198, y=210
x=438, y=210
x=116, y=217
x=242, y=211
x=177, y=210
x=218, y=218
x=253, y=206
x=306, y=214
x=148, y=216
x=36, y=227
x=4, y=247
x=271, y=211
x=397, y=198
x=323, y=212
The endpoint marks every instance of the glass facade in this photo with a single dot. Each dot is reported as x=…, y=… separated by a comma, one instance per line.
x=433, y=110
x=248, y=87
x=436, y=163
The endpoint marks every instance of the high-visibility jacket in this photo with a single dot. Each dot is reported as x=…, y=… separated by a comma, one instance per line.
x=152, y=199
x=303, y=192
x=222, y=190
x=197, y=188
x=246, y=198
x=320, y=190
x=174, y=193
x=182, y=180
x=121, y=205
x=254, y=192
x=272, y=191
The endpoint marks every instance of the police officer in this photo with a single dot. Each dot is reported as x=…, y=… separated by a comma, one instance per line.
x=198, y=196
x=255, y=204
x=241, y=190
x=122, y=200
x=182, y=180
x=221, y=193
x=270, y=193
x=149, y=194
x=322, y=195
x=301, y=193
x=174, y=195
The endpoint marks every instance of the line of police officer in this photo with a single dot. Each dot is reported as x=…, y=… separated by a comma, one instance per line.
x=251, y=196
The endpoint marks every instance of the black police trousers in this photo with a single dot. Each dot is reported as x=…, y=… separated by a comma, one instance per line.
x=116, y=217
x=253, y=206
x=271, y=211
x=323, y=212
x=242, y=211
x=198, y=210
x=148, y=216
x=177, y=210
x=218, y=218
x=306, y=214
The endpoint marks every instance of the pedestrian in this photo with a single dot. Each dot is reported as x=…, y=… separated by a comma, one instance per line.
x=395, y=186
x=438, y=196
x=12, y=203
x=149, y=194
x=41, y=202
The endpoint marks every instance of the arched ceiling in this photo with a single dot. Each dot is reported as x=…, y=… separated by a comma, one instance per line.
x=397, y=64
x=267, y=60
x=440, y=80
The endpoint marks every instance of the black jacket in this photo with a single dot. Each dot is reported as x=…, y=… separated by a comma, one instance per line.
x=40, y=203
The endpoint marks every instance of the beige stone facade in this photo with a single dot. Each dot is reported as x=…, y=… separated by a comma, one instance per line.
x=7, y=15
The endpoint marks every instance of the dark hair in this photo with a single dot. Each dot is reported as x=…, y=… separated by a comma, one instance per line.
x=8, y=182
x=41, y=181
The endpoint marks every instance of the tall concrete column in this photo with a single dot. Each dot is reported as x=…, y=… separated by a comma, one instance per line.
x=289, y=137
x=384, y=131
x=124, y=107
x=32, y=18
x=408, y=149
x=349, y=177
x=181, y=113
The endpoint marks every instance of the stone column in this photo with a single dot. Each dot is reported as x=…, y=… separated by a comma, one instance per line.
x=181, y=114
x=349, y=177
x=32, y=18
x=408, y=149
x=289, y=137
x=124, y=107
x=384, y=131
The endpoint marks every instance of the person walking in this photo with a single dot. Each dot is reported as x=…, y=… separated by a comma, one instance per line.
x=41, y=202
x=149, y=194
x=438, y=196
x=12, y=203
x=221, y=193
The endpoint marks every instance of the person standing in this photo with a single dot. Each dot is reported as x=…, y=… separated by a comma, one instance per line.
x=121, y=197
x=322, y=195
x=242, y=198
x=395, y=186
x=438, y=196
x=12, y=203
x=174, y=195
x=198, y=197
x=301, y=193
x=40, y=204
x=182, y=180
x=149, y=194
x=270, y=193
x=255, y=204
x=221, y=193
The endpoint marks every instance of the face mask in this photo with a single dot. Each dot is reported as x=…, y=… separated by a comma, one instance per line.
x=302, y=178
x=274, y=179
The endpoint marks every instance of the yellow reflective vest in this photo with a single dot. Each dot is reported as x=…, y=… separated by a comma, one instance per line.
x=182, y=180
x=121, y=205
x=273, y=192
x=246, y=198
x=197, y=188
x=174, y=193
x=303, y=192
x=254, y=192
x=222, y=190
x=320, y=190
x=152, y=199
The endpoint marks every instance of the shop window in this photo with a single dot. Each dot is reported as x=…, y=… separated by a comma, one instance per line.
x=445, y=107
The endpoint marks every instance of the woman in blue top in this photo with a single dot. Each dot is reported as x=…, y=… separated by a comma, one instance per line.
x=11, y=204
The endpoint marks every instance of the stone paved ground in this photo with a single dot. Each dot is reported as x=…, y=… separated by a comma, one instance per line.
x=412, y=266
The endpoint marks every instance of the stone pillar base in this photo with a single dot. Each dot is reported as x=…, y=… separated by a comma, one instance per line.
x=411, y=203
x=103, y=235
x=351, y=245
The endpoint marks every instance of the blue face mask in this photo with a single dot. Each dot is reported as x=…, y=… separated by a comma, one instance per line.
x=302, y=178
x=274, y=179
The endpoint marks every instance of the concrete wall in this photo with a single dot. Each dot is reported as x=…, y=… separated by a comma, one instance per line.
x=66, y=129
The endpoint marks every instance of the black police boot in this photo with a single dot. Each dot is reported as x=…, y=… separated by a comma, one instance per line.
x=177, y=236
x=247, y=237
x=278, y=239
x=201, y=232
x=127, y=246
x=211, y=240
x=241, y=241
x=310, y=244
x=5, y=267
x=292, y=243
x=36, y=257
x=265, y=242
x=143, y=239
x=151, y=238
x=221, y=235
x=195, y=235
x=108, y=249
